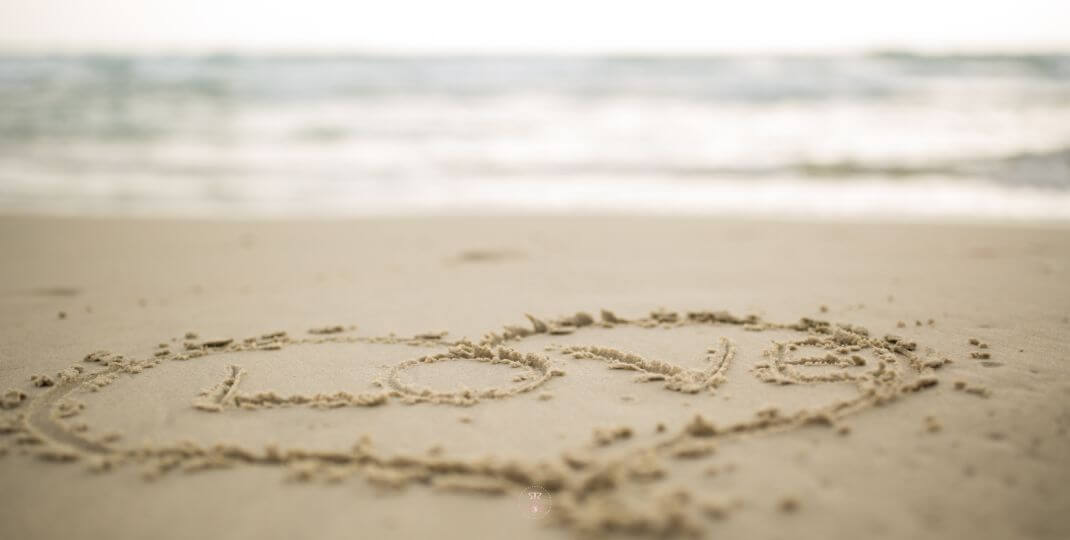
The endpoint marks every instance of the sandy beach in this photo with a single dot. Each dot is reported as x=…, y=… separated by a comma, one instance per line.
x=533, y=378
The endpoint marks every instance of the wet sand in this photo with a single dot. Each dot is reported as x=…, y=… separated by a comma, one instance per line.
x=533, y=378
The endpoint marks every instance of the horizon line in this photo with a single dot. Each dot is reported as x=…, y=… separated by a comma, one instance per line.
x=10, y=49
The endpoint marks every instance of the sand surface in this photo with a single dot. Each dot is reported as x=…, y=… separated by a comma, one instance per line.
x=421, y=378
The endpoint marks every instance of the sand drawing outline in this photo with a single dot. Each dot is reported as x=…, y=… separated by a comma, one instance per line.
x=586, y=486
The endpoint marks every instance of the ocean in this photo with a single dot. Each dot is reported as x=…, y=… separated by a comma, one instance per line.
x=884, y=136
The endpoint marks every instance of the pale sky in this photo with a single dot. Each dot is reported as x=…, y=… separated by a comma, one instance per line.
x=535, y=26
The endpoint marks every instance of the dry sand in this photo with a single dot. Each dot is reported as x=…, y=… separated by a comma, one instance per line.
x=443, y=378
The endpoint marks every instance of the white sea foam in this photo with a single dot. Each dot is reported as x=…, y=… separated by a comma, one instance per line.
x=921, y=199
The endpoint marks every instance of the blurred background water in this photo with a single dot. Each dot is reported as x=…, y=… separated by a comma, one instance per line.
x=880, y=135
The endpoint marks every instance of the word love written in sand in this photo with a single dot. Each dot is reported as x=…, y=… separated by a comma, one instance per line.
x=589, y=486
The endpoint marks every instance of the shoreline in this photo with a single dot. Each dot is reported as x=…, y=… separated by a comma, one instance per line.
x=521, y=217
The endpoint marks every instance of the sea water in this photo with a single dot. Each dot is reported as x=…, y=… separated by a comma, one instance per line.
x=885, y=136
